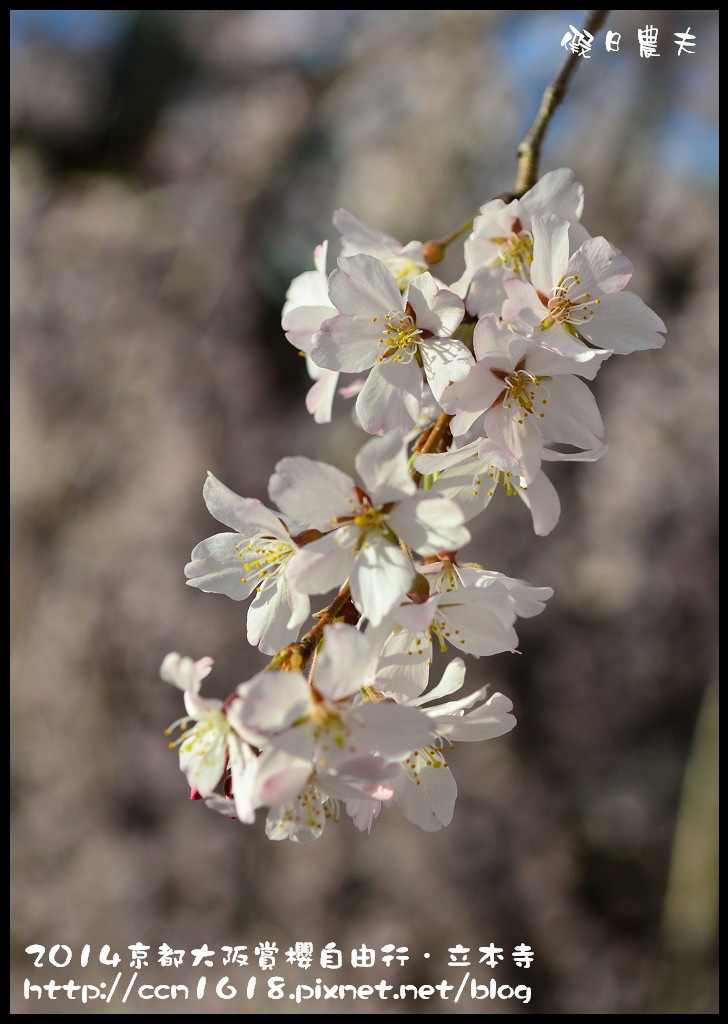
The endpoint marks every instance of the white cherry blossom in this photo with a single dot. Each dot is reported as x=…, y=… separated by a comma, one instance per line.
x=404, y=261
x=448, y=575
x=306, y=307
x=476, y=620
x=425, y=789
x=581, y=296
x=528, y=396
x=396, y=336
x=253, y=559
x=501, y=242
x=473, y=474
x=365, y=525
x=318, y=733
x=211, y=745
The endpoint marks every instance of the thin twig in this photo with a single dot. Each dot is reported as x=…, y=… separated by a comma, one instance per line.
x=529, y=151
x=296, y=655
x=433, y=442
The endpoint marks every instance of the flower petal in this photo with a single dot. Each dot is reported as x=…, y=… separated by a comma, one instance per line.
x=323, y=564
x=380, y=577
x=550, y=252
x=429, y=525
x=346, y=662
x=390, y=399
x=246, y=515
x=382, y=465
x=364, y=287
x=311, y=491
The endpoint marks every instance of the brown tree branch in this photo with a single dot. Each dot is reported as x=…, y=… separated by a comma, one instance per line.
x=529, y=151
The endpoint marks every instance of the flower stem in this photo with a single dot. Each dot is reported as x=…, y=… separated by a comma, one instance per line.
x=295, y=655
x=432, y=443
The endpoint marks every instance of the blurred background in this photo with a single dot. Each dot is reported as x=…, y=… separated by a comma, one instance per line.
x=171, y=172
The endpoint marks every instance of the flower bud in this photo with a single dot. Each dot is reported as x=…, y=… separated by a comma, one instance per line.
x=434, y=252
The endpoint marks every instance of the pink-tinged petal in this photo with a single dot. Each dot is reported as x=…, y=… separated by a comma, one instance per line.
x=345, y=344
x=421, y=294
x=571, y=415
x=184, y=673
x=301, y=323
x=475, y=393
x=353, y=389
x=319, y=258
x=625, y=324
x=218, y=567
x=556, y=339
x=600, y=267
x=285, y=768
x=246, y=515
x=452, y=680
x=390, y=399
x=380, y=577
x=453, y=707
x=323, y=564
x=320, y=397
x=518, y=433
x=527, y=600
x=346, y=662
x=307, y=291
x=484, y=723
x=301, y=820
x=492, y=338
x=429, y=525
x=578, y=234
x=382, y=465
x=269, y=616
x=445, y=360
x=448, y=309
x=311, y=491
x=495, y=218
x=587, y=456
x=468, y=485
x=522, y=305
x=543, y=362
x=495, y=221
x=496, y=455
x=311, y=287
x=541, y=499
x=198, y=707
x=363, y=813
x=364, y=287
x=365, y=775
x=550, y=252
x=391, y=729
x=437, y=463
x=416, y=618
x=243, y=770
x=480, y=621
x=203, y=756
x=556, y=193
x=404, y=663
x=298, y=603
x=436, y=309
x=485, y=293
x=463, y=422
x=269, y=704
x=360, y=237
x=429, y=800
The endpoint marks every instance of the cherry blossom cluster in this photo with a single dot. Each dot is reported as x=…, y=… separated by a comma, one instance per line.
x=467, y=389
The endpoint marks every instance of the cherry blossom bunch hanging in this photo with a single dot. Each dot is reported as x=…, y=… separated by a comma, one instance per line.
x=467, y=389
